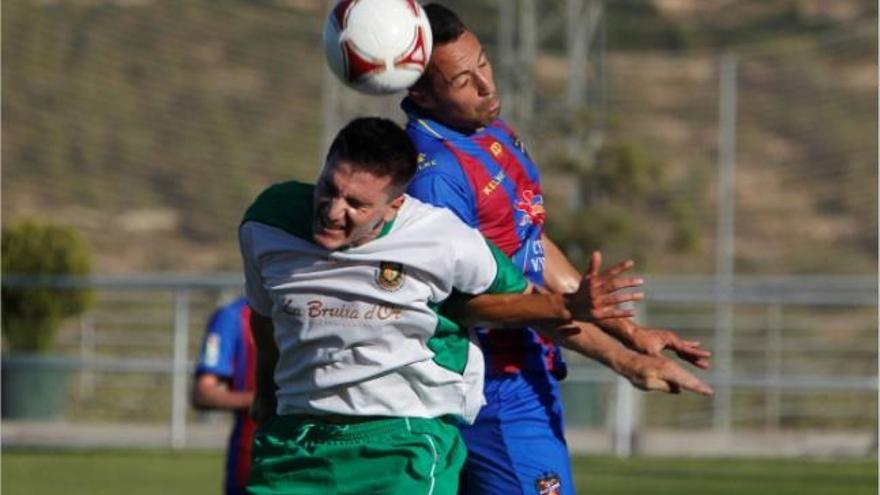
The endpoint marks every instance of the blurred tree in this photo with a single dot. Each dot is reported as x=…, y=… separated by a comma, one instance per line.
x=32, y=315
x=621, y=193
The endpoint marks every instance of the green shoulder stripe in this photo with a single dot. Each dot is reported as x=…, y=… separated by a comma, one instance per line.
x=450, y=341
x=509, y=279
x=287, y=206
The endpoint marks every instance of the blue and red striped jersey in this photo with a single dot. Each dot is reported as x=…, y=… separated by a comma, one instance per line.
x=489, y=180
x=228, y=351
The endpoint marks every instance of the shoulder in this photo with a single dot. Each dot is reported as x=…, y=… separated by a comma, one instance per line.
x=233, y=309
x=435, y=157
x=286, y=205
x=228, y=316
x=283, y=193
x=433, y=217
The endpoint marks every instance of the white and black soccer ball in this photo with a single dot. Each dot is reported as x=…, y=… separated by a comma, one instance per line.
x=377, y=46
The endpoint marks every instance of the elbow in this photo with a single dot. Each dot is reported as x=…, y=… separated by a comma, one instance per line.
x=198, y=400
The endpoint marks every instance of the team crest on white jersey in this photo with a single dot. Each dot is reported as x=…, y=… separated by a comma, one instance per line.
x=390, y=275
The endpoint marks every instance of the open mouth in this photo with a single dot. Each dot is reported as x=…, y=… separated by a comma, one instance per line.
x=328, y=227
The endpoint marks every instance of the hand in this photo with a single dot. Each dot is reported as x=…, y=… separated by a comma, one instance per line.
x=595, y=298
x=663, y=374
x=653, y=341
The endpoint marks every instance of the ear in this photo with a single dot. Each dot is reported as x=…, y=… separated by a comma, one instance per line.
x=421, y=96
x=394, y=207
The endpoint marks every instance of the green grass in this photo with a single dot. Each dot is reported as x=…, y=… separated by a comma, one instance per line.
x=38, y=472
x=663, y=476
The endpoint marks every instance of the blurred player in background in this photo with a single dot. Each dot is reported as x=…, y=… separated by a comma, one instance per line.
x=471, y=162
x=224, y=380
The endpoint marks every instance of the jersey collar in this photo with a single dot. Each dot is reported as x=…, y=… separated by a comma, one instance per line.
x=421, y=121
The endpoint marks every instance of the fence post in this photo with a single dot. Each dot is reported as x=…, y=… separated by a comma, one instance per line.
x=626, y=416
x=773, y=407
x=87, y=342
x=179, y=376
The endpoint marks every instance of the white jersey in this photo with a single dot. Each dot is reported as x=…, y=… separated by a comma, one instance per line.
x=358, y=330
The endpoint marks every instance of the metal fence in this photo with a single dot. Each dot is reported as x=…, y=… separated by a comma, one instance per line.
x=157, y=122
x=803, y=361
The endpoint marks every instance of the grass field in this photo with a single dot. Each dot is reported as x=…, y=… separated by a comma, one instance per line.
x=44, y=472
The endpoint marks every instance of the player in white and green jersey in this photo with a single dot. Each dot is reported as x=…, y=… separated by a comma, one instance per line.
x=345, y=279
x=349, y=277
x=363, y=321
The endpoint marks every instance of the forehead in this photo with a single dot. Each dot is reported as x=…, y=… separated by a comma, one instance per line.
x=353, y=179
x=456, y=56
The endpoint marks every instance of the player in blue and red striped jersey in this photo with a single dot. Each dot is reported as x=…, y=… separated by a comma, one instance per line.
x=225, y=380
x=472, y=163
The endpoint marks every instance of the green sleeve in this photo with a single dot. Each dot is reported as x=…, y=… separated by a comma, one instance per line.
x=508, y=279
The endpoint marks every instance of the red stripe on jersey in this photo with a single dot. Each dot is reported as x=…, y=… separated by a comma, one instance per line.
x=526, y=188
x=509, y=354
x=243, y=448
x=247, y=426
x=247, y=339
x=491, y=198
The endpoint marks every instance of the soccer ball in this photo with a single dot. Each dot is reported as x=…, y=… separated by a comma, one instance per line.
x=377, y=46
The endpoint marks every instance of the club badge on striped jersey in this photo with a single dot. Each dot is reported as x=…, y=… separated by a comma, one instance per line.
x=548, y=484
x=390, y=275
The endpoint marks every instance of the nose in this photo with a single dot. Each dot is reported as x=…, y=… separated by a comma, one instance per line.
x=335, y=210
x=484, y=83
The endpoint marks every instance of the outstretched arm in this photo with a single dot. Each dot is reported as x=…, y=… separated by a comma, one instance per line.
x=547, y=313
x=591, y=301
x=561, y=276
x=643, y=371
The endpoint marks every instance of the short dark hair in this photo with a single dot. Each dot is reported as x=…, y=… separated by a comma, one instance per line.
x=378, y=146
x=445, y=25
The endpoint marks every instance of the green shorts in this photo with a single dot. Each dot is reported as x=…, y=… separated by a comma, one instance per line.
x=304, y=455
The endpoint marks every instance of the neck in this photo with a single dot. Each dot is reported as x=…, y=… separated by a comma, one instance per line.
x=467, y=130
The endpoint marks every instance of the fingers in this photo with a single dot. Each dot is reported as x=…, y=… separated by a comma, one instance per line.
x=619, y=283
x=595, y=263
x=614, y=299
x=681, y=378
x=673, y=379
x=695, y=385
x=612, y=312
x=691, y=353
x=684, y=348
x=664, y=375
x=618, y=268
x=701, y=363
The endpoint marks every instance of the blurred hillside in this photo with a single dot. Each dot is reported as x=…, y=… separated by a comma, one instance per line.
x=149, y=125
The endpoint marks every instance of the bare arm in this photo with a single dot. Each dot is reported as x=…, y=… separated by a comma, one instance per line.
x=561, y=275
x=509, y=310
x=265, y=400
x=590, y=302
x=212, y=392
x=644, y=372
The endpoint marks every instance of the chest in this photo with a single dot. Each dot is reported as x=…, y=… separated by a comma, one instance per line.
x=503, y=179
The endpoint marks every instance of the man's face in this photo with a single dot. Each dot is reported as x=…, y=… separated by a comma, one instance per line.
x=461, y=90
x=351, y=205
